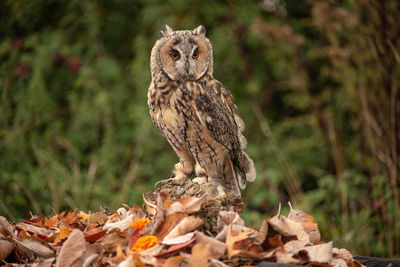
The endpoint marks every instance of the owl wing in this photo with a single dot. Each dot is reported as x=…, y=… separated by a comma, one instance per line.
x=215, y=110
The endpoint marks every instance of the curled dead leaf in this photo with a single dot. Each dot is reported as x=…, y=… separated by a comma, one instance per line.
x=6, y=247
x=307, y=221
x=186, y=225
x=217, y=248
x=72, y=249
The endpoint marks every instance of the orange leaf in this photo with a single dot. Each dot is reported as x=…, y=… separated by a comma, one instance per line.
x=70, y=218
x=168, y=202
x=145, y=242
x=231, y=239
x=63, y=233
x=51, y=222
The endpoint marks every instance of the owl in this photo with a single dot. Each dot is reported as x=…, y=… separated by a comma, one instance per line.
x=196, y=113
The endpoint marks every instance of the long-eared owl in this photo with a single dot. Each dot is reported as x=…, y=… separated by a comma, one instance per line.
x=195, y=112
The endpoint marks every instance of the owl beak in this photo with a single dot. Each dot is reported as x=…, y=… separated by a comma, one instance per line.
x=187, y=66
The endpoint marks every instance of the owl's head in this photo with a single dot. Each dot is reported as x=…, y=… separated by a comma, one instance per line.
x=182, y=55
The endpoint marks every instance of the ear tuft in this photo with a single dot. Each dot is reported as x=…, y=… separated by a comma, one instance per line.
x=166, y=30
x=200, y=30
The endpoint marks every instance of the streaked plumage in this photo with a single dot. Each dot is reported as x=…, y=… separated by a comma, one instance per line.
x=195, y=112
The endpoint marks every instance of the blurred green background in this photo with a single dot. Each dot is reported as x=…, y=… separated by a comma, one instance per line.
x=316, y=82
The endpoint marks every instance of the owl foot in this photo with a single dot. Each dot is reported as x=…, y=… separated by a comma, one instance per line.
x=200, y=180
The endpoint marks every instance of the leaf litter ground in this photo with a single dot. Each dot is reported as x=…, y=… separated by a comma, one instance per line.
x=170, y=231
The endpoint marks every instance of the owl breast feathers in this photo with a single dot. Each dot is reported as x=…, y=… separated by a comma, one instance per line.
x=195, y=112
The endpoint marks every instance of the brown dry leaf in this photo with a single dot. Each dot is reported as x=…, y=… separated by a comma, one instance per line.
x=231, y=239
x=97, y=218
x=295, y=245
x=169, y=223
x=342, y=254
x=121, y=225
x=43, y=262
x=288, y=227
x=201, y=253
x=63, y=233
x=151, y=208
x=30, y=246
x=262, y=233
x=320, y=253
x=159, y=216
x=337, y=262
x=41, y=232
x=6, y=225
x=175, y=207
x=184, y=226
x=178, y=240
x=6, y=247
x=307, y=221
x=115, y=238
x=290, y=258
x=175, y=261
x=175, y=248
x=221, y=236
x=217, y=248
x=88, y=256
x=190, y=203
x=72, y=249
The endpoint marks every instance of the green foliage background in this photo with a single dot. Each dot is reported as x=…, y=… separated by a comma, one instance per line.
x=316, y=82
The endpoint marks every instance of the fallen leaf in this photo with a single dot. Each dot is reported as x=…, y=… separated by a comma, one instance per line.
x=97, y=218
x=217, y=248
x=51, y=221
x=200, y=255
x=342, y=254
x=95, y=235
x=175, y=261
x=63, y=233
x=190, y=203
x=159, y=216
x=121, y=225
x=307, y=221
x=232, y=238
x=262, y=233
x=320, y=253
x=177, y=240
x=169, y=223
x=114, y=239
x=33, y=246
x=295, y=245
x=186, y=225
x=43, y=262
x=6, y=225
x=6, y=247
x=151, y=208
x=72, y=249
x=288, y=227
x=175, y=248
x=70, y=218
x=175, y=207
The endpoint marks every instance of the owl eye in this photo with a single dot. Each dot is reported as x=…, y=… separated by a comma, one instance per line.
x=174, y=54
x=195, y=54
